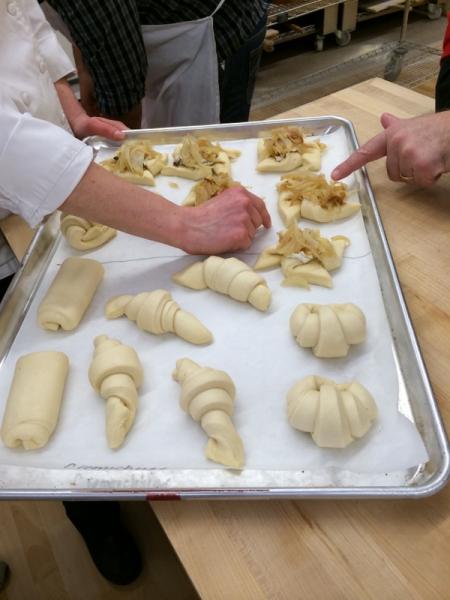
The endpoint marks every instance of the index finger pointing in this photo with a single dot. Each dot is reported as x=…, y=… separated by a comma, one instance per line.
x=371, y=150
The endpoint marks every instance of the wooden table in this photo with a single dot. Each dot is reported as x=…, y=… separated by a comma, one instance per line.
x=350, y=549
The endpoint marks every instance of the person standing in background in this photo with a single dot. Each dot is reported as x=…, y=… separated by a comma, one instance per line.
x=170, y=63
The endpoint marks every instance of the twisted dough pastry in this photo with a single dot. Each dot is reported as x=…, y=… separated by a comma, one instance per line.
x=70, y=293
x=334, y=414
x=329, y=329
x=34, y=399
x=208, y=396
x=157, y=313
x=116, y=374
x=83, y=234
x=229, y=276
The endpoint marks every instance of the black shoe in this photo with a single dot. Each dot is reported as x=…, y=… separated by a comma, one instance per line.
x=112, y=548
x=4, y=575
x=115, y=554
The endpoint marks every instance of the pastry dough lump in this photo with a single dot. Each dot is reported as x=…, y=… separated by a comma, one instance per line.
x=116, y=374
x=83, y=234
x=209, y=187
x=137, y=162
x=34, y=399
x=286, y=149
x=208, y=396
x=329, y=329
x=158, y=313
x=309, y=195
x=229, y=276
x=335, y=414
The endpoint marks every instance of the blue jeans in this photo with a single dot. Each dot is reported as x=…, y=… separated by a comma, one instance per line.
x=237, y=75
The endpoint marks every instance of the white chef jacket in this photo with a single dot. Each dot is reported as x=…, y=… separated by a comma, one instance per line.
x=40, y=160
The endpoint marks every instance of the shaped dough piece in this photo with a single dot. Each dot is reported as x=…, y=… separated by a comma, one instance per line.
x=70, y=294
x=34, y=399
x=208, y=396
x=137, y=162
x=158, y=313
x=116, y=374
x=329, y=329
x=198, y=158
x=305, y=257
x=208, y=188
x=83, y=234
x=334, y=414
x=309, y=195
x=286, y=149
x=229, y=276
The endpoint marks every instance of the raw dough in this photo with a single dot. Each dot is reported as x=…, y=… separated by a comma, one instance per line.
x=70, y=294
x=137, y=162
x=286, y=149
x=208, y=396
x=329, y=329
x=229, y=276
x=309, y=195
x=334, y=414
x=34, y=399
x=116, y=374
x=208, y=188
x=158, y=313
x=83, y=234
x=198, y=158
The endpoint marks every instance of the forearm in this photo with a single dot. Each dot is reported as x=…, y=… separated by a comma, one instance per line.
x=104, y=198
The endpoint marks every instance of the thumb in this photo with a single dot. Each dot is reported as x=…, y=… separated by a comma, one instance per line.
x=387, y=120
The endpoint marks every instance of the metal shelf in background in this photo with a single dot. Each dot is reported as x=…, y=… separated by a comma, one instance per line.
x=281, y=13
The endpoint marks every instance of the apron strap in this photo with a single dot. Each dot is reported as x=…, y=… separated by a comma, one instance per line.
x=218, y=7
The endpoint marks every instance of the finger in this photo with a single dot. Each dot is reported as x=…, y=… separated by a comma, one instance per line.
x=393, y=166
x=387, y=120
x=118, y=124
x=255, y=216
x=106, y=129
x=371, y=150
x=260, y=206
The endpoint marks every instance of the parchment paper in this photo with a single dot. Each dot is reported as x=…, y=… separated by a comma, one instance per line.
x=256, y=349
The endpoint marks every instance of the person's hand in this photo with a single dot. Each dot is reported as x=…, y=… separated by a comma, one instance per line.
x=417, y=150
x=84, y=125
x=225, y=223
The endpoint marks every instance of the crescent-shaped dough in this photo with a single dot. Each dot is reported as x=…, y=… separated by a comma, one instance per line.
x=334, y=414
x=309, y=195
x=116, y=374
x=287, y=149
x=70, y=294
x=229, y=276
x=137, y=162
x=34, y=399
x=158, y=313
x=208, y=396
x=83, y=234
x=329, y=329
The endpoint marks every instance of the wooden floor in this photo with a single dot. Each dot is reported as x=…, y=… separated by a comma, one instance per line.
x=49, y=561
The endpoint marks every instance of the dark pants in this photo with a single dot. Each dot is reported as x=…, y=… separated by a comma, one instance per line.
x=4, y=283
x=237, y=77
x=96, y=516
x=443, y=86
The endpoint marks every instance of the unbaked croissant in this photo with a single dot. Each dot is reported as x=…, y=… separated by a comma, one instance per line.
x=83, y=234
x=208, y=396
x=329, y=329
x=229, y=276
x=158, y=313
x=34, y=399
x=335, y=414
x=116, y=374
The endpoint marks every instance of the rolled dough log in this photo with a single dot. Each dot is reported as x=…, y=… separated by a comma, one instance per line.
x=208, y=396
x=34, y=399
x=116, y=374
x=70, y=294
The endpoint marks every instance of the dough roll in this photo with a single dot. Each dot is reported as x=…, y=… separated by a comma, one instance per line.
x=70, y=294
x=34, y=399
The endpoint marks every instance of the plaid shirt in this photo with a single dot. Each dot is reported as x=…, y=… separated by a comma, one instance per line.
x=109, y=37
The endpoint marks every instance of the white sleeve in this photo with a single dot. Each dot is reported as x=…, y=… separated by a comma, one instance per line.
x=40, y=164
x=57, y=61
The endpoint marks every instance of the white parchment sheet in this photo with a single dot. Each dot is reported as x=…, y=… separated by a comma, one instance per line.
x=256, y=349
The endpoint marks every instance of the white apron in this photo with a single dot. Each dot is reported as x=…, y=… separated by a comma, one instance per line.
x=182, y=83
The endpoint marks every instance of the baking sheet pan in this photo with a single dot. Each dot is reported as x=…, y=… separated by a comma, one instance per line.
x=415, y=400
